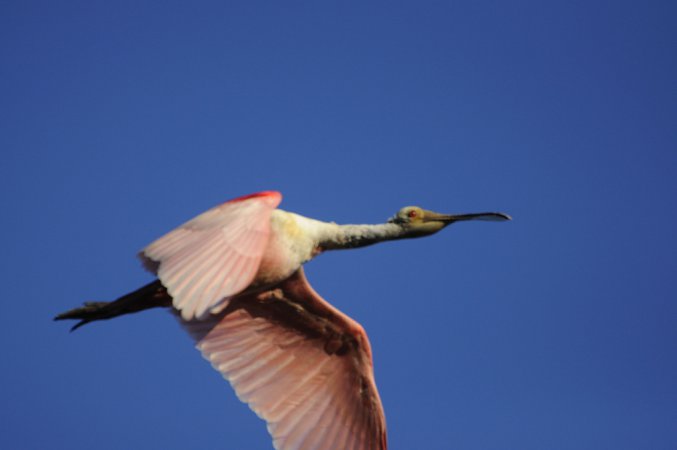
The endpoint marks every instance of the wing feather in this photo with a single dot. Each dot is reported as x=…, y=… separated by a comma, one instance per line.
x=278, y=350
x=311, y=429
x=318, y=430
x=213, y=256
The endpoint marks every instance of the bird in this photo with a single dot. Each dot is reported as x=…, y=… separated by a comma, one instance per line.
x=233, y=276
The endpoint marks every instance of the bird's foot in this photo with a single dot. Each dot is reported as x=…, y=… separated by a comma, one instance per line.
x=89, y=312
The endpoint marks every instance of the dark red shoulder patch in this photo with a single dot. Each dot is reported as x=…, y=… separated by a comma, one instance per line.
x=274, y=196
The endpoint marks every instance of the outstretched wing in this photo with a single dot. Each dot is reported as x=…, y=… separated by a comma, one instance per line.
x=213, y=256
x=301, y=365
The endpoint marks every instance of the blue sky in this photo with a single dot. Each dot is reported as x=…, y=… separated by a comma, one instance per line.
x=121, y=120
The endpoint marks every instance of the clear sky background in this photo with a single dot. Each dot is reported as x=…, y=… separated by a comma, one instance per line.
x=120, y=120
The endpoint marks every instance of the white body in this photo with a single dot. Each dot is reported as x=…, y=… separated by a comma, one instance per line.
x=294, y=240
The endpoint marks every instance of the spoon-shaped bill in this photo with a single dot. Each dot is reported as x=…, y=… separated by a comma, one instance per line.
x=486, y=216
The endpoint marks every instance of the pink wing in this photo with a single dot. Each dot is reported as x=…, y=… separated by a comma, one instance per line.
x=213, y=256
x=301, y=365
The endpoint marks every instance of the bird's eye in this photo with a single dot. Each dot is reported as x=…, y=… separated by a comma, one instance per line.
x=412, y=214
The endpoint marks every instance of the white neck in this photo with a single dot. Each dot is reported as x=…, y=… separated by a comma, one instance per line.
x=353, y=236
x=332, y=236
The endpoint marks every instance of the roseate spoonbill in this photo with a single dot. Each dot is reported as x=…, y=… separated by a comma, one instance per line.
x=234, y=277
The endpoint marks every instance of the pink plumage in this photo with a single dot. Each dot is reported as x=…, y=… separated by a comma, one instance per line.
x=213, y=256
x=302, y=365
x=310, y=378
x=234, y=277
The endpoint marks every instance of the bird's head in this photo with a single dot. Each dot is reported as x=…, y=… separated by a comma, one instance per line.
x=418, y=222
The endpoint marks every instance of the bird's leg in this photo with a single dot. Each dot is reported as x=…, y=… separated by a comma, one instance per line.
x=152, y=295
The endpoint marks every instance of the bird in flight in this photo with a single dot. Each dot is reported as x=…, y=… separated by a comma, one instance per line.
x=234, y=277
